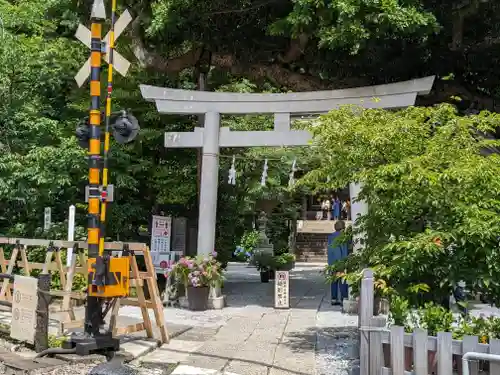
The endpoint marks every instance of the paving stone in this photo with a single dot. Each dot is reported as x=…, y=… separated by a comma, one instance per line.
x=137, y=348
x=198, y=334
x=268, y=336
x=294, y=360
x=246, y=368
x=174, y=352
x=258, y=353
x=278, y=371
x=273, y=320
x=191, y=370
x=219, y=349
x=208, y=362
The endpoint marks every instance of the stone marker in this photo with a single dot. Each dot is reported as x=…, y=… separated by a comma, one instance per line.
x=24, y=305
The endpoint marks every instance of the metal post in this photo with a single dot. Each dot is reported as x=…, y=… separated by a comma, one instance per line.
x=42, y=313
x=97, y=18
x=105, y=172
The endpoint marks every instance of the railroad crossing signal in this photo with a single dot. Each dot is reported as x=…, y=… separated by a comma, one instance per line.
x=120, y=63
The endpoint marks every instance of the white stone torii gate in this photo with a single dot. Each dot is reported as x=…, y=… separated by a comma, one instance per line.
x=212, y=137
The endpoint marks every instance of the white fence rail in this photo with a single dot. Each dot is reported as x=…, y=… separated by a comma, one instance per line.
x=394, y=352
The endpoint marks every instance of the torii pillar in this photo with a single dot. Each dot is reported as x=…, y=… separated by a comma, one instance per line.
x=283, y=106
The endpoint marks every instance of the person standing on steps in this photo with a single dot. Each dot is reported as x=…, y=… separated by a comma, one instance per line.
x=336, y=208
x=325, y=207
x=337, y=252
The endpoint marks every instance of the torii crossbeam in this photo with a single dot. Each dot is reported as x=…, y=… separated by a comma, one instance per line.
x=212, y=137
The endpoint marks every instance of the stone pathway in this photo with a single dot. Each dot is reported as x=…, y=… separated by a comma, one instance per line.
x=337, y=345
x=254, y=338
x=249, y=337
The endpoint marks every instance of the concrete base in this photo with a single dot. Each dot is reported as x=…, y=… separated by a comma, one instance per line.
x=217, y=303
x=350, y=306
x=183, y=302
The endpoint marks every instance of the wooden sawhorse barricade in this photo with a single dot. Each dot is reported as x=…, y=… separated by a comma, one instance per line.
x=79, y=266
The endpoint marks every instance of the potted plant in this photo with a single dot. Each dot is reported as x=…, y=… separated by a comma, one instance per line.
x=381, y=302
x=198, y=275
x=284, y=262
x=263, y=262
x=248, y=243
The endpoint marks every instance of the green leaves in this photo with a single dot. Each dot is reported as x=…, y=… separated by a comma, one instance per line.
x=350, y=24
x=433, y=198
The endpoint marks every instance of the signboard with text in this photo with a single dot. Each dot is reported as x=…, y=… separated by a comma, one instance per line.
x=161, y=230
x=24, y=304
x=47, y=218
x=282, y=290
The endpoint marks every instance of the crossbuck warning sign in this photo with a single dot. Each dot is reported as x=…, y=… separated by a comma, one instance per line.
x=121, y=64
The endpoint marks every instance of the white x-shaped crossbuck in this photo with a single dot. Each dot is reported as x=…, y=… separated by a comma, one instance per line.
x=120, y=63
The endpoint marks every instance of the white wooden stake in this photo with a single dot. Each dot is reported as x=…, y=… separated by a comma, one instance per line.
x=71, y=233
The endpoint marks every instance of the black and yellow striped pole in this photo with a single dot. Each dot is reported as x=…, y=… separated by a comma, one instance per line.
x=94, y=154
x=105, y=172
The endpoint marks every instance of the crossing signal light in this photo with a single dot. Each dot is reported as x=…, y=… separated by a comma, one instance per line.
x=125, y=128
x=82, y=133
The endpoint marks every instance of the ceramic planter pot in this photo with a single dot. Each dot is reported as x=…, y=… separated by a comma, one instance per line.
x=264, y=276
x=198, y=298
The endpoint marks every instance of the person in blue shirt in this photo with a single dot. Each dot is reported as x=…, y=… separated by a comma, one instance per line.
x=336, y=208
x=337, y=252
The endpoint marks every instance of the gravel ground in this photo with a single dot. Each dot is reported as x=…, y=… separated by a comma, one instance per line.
x=337, y=342
x=70, y=369
x=86, y=368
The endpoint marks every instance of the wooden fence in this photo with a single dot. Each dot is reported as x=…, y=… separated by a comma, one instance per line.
x=392, y=351
x=53, y=262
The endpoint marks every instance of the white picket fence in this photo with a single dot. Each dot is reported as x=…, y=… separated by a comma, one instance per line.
x=393, y=352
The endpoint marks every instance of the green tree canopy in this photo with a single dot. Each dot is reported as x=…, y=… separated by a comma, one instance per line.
x=432, y=189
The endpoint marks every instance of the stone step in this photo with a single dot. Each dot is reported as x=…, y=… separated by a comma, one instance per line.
x=316, y=259
x=311, y=254
x=305, y=249
x=312, y=244
x=308, y=236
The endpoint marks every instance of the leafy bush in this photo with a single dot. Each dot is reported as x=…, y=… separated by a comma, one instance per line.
x=434, y=214
x=263, y=261
x=283, y=260
x=249, y=241
x=399, y=311
x=433, y=318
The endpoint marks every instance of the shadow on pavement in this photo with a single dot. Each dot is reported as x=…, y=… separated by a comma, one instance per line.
x=244, y=288
x=214, y=356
